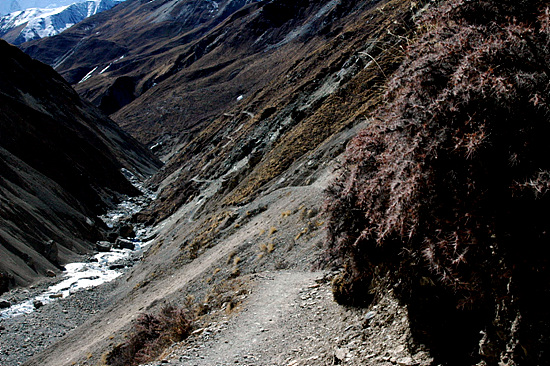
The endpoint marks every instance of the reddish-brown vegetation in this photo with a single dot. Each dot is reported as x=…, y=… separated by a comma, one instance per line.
x=152, y=334
x=446, y=191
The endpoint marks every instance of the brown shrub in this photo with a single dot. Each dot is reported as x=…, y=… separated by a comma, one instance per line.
x=152, y=334
x=446, y=190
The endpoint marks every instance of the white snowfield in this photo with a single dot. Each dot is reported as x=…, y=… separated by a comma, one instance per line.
x=47, y=22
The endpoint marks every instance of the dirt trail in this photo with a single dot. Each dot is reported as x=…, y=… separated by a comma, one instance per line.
x=283, y=322
x=290, y=319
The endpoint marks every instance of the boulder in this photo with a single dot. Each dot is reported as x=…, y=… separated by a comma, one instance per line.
x=4, y=304
x=50, y=273
x=127, y=231
x=6, y=281
x=50, y=251
x=124, y=244
x=103, y=246
x=38, y=304
x=112, y=236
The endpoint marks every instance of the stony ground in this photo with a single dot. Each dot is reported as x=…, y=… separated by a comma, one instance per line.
x=285, y=318
x=23, y=336
x=289, y=318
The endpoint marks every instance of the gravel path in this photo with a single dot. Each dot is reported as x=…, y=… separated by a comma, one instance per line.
x=290, y=319
x=280, y=322
x=271, y=319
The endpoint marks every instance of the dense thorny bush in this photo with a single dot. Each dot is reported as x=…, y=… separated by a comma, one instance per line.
x=446, y=191
x=151, y=335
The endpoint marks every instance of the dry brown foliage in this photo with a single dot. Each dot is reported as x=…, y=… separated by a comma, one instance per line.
x=151, y=335
x=446, y=190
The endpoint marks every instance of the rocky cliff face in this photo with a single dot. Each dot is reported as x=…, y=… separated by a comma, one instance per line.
x=61, y=162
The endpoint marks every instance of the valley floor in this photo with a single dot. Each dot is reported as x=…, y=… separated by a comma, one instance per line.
x=281, y=313
x=23, y=336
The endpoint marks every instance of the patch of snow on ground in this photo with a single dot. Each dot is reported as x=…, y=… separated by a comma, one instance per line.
x=105, y=69
x=88, y=75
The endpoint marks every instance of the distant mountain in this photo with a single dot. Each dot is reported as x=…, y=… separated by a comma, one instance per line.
x=9, y=6
x=60, y=167
x=33, y=23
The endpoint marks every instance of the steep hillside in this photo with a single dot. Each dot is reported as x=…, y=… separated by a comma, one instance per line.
x=243, y=189
x=26, y=25
x=252, y=104
x=242, y=79
x=60, y=168
x=111, y=68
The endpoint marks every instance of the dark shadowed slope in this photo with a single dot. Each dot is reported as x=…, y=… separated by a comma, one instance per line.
x=60, y=167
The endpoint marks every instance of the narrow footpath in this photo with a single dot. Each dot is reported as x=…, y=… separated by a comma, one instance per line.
x=290, y=319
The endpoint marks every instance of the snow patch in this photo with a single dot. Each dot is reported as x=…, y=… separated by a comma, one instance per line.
x=105, y=69
x=88, y=75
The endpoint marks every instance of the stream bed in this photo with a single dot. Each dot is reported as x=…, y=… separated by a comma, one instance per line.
x=43, y=314
x=100, y=268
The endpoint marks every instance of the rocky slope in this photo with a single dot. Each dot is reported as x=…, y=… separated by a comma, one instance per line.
x=186, y=71
x=26, y=25
x=61, y=167
x=243, y=187
x=251, y=105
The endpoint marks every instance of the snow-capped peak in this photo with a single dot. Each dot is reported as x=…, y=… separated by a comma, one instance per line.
x=40, y=22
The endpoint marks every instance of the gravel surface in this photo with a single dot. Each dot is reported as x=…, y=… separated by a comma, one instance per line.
x=290, y=319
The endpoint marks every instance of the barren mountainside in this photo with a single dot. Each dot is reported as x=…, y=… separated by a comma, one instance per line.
x=397, y=147
x=61, y=167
